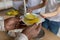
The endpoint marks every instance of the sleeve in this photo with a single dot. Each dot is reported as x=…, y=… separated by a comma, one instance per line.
x=52, y=5
x=17, y=34
x=21, y=36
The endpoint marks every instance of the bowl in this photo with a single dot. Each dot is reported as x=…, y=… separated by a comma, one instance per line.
x=30, y=19
x=30, y=16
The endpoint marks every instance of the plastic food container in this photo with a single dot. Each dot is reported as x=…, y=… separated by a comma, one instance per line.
x=30, y=19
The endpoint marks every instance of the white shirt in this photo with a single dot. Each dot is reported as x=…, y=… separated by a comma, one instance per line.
x=17, y=4
x=32, y=3
x=52, y=6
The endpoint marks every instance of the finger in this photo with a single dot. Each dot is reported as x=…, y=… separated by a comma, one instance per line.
x=39, y=27
x=30, y=11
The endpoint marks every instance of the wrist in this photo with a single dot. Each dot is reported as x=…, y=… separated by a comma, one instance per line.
x=29, y=37
x=42, y=16
x=33, y=8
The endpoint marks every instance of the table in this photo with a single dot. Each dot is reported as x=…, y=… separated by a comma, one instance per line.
x=49, y=35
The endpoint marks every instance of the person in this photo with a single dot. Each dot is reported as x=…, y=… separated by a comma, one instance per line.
x=26, y=34
x=52, y=17
x=36, y=6
x=29, y=32
x=10, y=23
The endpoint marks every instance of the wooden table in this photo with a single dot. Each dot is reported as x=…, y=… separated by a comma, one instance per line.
x=49, y=35
x=4, y=36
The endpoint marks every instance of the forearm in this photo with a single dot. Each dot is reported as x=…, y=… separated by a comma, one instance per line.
x=26, y=1
x=51, y=14
x=39, y=5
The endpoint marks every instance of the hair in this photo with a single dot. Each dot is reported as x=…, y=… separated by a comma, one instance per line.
x=11, y=20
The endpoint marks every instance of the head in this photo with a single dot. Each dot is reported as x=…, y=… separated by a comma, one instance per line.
x=10, y=23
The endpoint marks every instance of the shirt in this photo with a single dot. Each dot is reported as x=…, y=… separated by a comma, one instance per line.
x=32, y=3
x=17, y=4
x=52, y=6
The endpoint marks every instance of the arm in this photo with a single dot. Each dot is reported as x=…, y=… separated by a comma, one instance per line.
x=26, y=1
x=39, y=5
x=27, y=34
x=51, y=14
x=22, y=6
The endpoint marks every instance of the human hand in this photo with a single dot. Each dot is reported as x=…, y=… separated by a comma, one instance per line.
x=29, y=10
x=32, y=31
